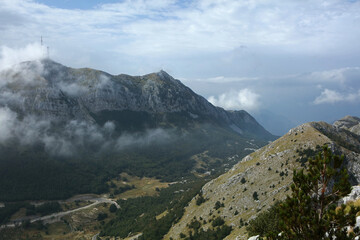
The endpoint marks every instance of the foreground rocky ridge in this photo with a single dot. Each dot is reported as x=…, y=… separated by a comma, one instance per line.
x=263, y=177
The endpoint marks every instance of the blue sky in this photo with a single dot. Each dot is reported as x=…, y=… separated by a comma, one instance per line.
x=77, y=4
x=297, y=59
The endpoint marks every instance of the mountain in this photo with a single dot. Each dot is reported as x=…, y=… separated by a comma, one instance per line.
x=47, y=88
x=260, y=179
x=65, y=131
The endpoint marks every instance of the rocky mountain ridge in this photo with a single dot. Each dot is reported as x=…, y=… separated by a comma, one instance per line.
x=349, y=123
x=52, y=90
x=264, y=177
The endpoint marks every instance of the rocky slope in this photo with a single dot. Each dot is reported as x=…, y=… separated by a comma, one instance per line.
x=49, y=89
x=263, y=177
x=349, y=123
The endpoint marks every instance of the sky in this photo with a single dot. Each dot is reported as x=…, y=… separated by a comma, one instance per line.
x=285, y=62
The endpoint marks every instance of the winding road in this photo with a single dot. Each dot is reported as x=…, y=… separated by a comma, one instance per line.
x=55, y=217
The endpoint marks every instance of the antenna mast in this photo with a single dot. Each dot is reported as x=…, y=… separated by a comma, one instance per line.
x=47, y=53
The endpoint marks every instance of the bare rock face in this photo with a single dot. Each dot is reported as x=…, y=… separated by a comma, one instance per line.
x=353, y=196
x=49, y=89
x=349, y=123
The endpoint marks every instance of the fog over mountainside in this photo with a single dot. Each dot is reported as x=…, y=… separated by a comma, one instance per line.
x=36, y=95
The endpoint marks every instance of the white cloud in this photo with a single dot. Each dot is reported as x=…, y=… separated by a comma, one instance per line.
x=12, y=56
x=74, y=136
x=328, y=96
x=73, y=89
x=158, y=135
x=244, y=99
x=7, y=120
x=332, y=96
x=339, y=75
x=140, y=28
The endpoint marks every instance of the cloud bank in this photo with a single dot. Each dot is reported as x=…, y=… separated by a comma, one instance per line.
x=244, y=99
x=74, y=137
x=331, y=96
x=12, y=56
x=197, y=36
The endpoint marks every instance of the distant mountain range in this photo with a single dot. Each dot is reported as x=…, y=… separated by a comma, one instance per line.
x=59, y=119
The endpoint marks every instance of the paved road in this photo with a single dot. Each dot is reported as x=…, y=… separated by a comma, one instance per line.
x=95, y=236
x=55, y=217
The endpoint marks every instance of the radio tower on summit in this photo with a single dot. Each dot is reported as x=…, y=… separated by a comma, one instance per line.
x=47, y=54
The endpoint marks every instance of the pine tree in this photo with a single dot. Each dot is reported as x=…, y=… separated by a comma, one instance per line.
x=311, y=212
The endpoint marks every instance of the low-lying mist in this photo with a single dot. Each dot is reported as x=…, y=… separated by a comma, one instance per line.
x=71, y=138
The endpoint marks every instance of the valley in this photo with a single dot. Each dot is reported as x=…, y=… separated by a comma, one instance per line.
x=90, y=155
x=79, y=216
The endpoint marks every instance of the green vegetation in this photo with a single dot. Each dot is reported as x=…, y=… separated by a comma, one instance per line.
x=43, y=209
x=255, y=196
x=123, y=189
x=210, y=234
x=9, y=209
x=218, y=222
x=195, y=224
x=200, y=199
x=139, y=214
x=112, y=208
x=101, y=216
x=265, y=222
x=219, y=230
x=311, y=211
x=243, y=180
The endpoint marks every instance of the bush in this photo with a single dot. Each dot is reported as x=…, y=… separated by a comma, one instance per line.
x=218, y=222
x=200, y=199
x=255, y=196
x=217, y=205
x=195, y=224
x=101, y=216
x=112, y=208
